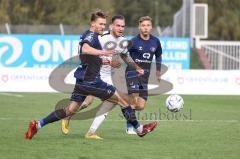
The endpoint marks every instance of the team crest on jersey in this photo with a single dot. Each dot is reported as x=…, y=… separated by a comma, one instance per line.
x=140, y=48
x=153, y=49
x=89, y=37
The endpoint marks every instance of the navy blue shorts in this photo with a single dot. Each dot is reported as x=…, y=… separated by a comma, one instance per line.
x=137, y=84
x=96, y=88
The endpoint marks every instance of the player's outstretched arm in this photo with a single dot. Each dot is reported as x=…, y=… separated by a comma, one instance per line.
x=87, y=49
x=129, y=61
x=158, y=67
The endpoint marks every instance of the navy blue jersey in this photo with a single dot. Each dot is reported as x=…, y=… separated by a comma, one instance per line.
x=142, y=52
x=90, y=65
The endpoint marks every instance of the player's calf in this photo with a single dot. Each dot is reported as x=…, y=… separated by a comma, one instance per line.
x=138, y=104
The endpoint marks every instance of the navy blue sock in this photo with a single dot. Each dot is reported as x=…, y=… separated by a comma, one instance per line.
x=129, y=125
x=130, y=116
x=54, y=116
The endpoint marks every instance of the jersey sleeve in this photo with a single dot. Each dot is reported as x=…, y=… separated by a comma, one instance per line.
x=158, y=55
x=123, y=51
x=122, y=45
x=126, y=44
x=90, y=39
x=130, y=47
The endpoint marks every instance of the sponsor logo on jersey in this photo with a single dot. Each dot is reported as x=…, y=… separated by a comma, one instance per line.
x=144, y=61
x=110, y=45
x=146, y=55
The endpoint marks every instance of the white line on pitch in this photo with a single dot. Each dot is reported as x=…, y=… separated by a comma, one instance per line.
x=228, y=121
x=12, y=94
x=109, y=120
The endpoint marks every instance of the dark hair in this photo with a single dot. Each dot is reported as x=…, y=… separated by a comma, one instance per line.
x=98, y=14
x=145, y=18
x=115, y=17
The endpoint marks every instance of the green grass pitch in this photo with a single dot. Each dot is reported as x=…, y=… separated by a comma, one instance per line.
x=207, y=128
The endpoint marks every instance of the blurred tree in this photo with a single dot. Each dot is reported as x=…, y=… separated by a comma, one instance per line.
x=4, y=15
x=224, y=15
x=77, y=11
x=137, y=8
x=224, y=19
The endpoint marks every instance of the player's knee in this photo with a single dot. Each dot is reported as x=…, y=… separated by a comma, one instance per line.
x=89, y=102
x=139, y=106
x=72, y=108
x=70, y=111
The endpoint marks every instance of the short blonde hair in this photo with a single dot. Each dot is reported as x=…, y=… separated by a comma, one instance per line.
x=98, y=14
x=144, y=18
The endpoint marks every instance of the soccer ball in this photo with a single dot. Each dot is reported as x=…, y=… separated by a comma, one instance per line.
x=174, y=103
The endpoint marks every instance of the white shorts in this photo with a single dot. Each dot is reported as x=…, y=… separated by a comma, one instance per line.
x=107, y=79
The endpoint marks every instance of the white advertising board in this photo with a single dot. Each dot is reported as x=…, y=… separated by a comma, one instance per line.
x=202, y=82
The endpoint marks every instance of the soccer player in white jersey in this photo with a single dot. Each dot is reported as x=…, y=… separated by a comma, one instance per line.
x=113, y=38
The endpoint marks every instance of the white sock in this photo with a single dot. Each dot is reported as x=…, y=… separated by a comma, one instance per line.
x=100, y=116
x=96, y=123
x=139, y=129
x=38, y=125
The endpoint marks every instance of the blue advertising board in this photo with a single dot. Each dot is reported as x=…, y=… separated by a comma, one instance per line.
x=48, y=51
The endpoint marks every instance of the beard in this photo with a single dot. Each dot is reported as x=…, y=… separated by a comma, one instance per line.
x=145, y=33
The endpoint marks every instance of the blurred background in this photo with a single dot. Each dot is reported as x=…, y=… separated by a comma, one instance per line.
x=45, y=16
x=201, y=48
x=195, y=34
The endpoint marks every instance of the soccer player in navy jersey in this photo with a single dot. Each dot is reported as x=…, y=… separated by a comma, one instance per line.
x=144, y=47
x=114, y=37
x=88, y=82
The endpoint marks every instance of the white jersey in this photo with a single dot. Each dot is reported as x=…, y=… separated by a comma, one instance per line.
x=109, y=41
